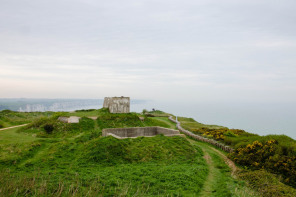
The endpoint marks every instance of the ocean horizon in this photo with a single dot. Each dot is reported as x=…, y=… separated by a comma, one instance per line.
x=258, y=118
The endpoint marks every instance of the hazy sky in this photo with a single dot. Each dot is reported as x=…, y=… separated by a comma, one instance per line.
x=199, y=50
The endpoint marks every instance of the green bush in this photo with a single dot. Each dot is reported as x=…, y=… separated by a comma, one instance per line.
x=48, y=128
x=267, y=184
x=85, y=110
x=268, y=155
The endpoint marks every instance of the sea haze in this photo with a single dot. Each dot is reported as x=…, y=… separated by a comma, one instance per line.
x=260, y=118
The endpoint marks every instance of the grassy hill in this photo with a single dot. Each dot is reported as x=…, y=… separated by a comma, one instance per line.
x=103, y=165
x=11, y=118
x=51, y=158
x=73, y=159
x=272, y=156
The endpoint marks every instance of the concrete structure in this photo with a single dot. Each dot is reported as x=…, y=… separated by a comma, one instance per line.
x=132, y=132
x=71, y=119
x=93, y=117
x=117, y=104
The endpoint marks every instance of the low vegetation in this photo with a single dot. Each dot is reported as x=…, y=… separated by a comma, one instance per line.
x=10, y=118
x=156, y=113
x=52, y=158
x=103, y=166
x=52, y=127
x=277, y=154
x=266, y=183
x=272, y=153
x=108, y=120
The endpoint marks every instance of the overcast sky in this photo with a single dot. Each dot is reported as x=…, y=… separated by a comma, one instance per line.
x=201, y=50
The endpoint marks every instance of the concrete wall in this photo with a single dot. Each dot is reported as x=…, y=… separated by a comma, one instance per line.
x=63, y=119
x=203, y=139
x=106, y=102
x=71, y=119
x=122, y=133
x=117, y=104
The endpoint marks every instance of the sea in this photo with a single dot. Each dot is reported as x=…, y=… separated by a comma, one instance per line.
x=259, y=118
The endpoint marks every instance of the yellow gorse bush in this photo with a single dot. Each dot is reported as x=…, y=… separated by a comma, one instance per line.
x=266, y=155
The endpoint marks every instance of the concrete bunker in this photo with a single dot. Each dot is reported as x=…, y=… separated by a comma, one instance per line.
x=71, y=119
x=133, y=132
x=117, y=104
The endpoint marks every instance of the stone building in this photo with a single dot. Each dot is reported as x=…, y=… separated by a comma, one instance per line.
x=117, y=104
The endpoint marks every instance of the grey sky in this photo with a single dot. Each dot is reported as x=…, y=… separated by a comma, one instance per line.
x=206, y=50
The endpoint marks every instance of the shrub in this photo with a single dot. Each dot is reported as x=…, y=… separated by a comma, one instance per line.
x=267, y=155
x=48, y=128
x=266, y=183
x=85, y=110
x=144, y=111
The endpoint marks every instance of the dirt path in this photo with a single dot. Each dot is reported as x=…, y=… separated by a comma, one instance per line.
x=229, y=162
x=218, y=182
x=13, y=127
x=207, y=189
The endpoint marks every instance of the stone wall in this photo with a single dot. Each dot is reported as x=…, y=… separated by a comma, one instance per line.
x=200, y=138
x=131, y=132
x=117, y=104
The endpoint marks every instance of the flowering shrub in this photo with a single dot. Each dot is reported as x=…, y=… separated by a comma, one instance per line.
x=218, y=134
x=267, y=155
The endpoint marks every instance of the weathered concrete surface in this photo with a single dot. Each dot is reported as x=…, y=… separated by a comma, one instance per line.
x=106, y=102
x=63, y=119
x=132, y=132
x=93, y=117
x=117, y=104
x=71, y=119
x=200, y=138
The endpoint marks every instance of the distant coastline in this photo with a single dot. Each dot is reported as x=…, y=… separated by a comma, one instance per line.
x=263, y=119
x=41, y=105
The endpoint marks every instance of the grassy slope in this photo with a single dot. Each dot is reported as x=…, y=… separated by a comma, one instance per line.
x=10, y=118
x=219, y=182
x=266, y=183
x=161, y=165
x=79, y=162
x=191, y=124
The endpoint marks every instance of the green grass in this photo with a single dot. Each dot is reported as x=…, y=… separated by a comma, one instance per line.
x=267, y=184
x=219, y=181
x=143, y=167
x=108, y=120
x=169, y=124
x=12, y=136
x=90, y=112
x=11, y=118
x=60, y=129
x=191, y=125
x=157, y=113
x=74, y=159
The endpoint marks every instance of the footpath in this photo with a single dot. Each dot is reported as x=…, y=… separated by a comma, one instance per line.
x=13, y=127
x=200, y=138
